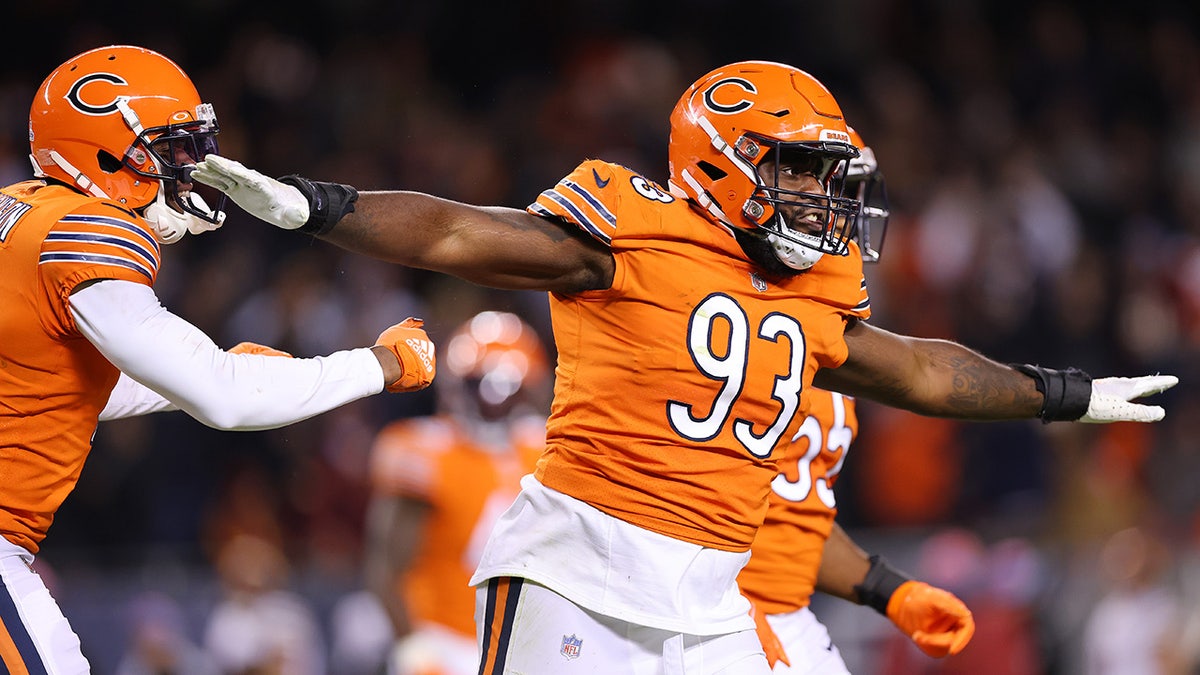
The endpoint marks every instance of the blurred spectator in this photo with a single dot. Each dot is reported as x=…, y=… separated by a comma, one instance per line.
x=1043, y=162
x=1135, y=628
x=159, y=642
x=259, y=627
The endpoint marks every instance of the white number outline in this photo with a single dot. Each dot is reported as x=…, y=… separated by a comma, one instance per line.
x=731, y=371
x=839, y=438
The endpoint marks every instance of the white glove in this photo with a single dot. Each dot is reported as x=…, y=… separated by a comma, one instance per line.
x=261, y=196
x=1112, y=396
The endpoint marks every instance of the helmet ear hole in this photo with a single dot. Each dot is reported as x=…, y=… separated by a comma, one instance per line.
x=711, y=170
x=107, y=162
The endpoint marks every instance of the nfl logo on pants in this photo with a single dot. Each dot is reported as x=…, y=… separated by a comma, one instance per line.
x=571, y=646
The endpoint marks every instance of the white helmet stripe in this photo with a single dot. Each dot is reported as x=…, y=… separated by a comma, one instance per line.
x=703, y=200
x=725, y=149
x=76, y=175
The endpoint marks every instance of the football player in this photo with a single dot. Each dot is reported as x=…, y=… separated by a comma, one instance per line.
x=688, y=320
x=441, y=482
x=113, y=134
x=800, y=547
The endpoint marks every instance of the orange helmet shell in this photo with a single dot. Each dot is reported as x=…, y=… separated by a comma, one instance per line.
x=715, y=127
x=77, y=119
x=491, y=362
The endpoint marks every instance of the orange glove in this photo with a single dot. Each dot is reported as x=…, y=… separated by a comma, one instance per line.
x=937, y=621
x=770, y=642
x=408, y=341
x=255, y=348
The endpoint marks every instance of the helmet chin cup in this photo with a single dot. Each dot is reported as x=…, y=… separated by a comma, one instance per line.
x=170, y=225
x=795, y=256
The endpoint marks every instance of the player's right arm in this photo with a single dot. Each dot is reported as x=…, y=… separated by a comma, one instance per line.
x=491, y=246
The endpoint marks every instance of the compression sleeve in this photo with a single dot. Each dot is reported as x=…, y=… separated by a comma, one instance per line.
x=245, y=392
x=131, y=398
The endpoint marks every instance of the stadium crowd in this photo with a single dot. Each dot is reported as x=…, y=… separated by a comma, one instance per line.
x=1043, y=165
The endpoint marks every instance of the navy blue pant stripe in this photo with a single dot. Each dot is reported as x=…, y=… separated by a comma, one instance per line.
x=19, y=634
x=510, y=611
x=489, y=611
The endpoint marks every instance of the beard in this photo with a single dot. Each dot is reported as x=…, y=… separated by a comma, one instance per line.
x=760, y=252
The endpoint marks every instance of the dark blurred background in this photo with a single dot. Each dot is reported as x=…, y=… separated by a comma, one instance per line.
x=1043, y=162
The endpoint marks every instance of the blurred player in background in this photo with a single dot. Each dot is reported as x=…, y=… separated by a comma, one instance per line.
x=441, y=482
x=688, y=320
x=113, y=133
x=800, y=548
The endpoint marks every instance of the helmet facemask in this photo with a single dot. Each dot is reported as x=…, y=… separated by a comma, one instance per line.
x=173, y=150
x=801, y=226
x=865, y=182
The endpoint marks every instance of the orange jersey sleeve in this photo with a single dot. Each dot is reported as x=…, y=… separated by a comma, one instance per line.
x=676, y=387
x=786, y=555
x=466, y=488
x=54, y=382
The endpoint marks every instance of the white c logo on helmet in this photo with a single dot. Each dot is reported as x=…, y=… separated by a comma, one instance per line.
x=742, y=104
x=77, y=102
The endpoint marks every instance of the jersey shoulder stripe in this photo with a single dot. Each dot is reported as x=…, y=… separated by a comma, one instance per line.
x=592, y=201
x=108, y=241
x=118, y=242
x=575, y=214
x=95, y=259
x=120, y=224
x=587, y=198
x=864, y=306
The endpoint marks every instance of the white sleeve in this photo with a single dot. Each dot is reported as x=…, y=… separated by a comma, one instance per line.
x=131, y=398
x=244, y=392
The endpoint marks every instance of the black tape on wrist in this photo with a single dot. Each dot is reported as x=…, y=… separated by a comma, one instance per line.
x=327, y=202
x=1066, y=393
x=881, y=582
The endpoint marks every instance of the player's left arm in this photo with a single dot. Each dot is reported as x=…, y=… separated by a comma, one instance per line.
x=945, y=379
x=934, y=619
x=130, y=398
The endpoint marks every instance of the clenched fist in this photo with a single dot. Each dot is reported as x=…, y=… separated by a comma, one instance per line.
x=936, y=620
x=412, y=347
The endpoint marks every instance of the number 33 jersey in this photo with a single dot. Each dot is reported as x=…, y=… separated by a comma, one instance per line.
x=786, y=554
x=677, y=387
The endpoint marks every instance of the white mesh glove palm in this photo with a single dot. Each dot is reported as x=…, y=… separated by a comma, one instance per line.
x=1112, y=398
x=261, y=196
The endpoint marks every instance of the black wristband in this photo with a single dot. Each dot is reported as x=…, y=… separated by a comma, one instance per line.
x=1066, y=393
x=881, y=582
x=327, y=202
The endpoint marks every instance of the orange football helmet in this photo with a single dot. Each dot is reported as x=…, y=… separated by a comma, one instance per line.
x=492, y=368
x=864, y=182
x=736, y=117
x=120, y=122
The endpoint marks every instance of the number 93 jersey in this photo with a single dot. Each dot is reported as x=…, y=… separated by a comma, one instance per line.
x=677, y=386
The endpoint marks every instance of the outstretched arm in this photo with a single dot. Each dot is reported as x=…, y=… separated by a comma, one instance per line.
x=230, y=391
x=931, y=377
x=945, y=379
x=490, y=246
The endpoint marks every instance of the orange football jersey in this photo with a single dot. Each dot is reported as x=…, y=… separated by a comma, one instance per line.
x=467, y=488
x=676, y=386
x=786, y=554
x=53, y=382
